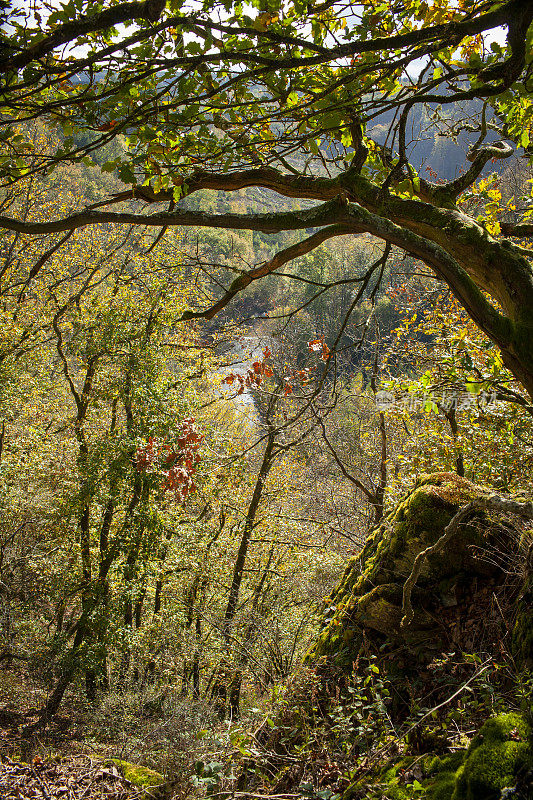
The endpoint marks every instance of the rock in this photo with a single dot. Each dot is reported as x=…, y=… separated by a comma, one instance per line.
x=498, y=757
x=523, y=629
x=153, y=783
x=368, y=601
x=366, y=667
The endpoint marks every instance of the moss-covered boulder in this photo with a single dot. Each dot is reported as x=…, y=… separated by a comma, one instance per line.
x=151, y=784
x=384, y=710
x=368, y=600
x=523, y=629
x=499, y=757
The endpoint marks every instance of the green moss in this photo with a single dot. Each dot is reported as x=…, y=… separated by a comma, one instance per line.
x=393, y=780
x=152, y=782
x=496, y=757
x=441, y=772
x=436, y=779
x=370, y=591
x=522, y=641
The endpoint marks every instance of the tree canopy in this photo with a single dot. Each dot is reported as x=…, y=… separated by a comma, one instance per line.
x=323, y=103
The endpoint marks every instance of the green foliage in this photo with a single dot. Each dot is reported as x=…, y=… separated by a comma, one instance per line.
x=497, y=756
x=98, y=377
x=208, y=776
x=464, y=408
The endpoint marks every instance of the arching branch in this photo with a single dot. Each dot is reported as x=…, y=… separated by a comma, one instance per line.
x=149, y=10
x=281, y=258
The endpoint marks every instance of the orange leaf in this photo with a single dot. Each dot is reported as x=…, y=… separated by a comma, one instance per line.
x=107, y=126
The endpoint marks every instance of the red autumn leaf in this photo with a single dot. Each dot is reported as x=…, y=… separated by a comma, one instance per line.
x=107, y=126
x=176, y=467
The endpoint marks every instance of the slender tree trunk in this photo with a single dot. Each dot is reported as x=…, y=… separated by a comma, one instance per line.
x=140, y=492
x=69, y=669
x=381, y=489
x=138, y=610
x=452, y=421
x=379, y=502
x=96, y=677
x=235, y=694
x=125, y=661
x=196, y=659
x=240, y=561
x=235, y=684
x=228, y=683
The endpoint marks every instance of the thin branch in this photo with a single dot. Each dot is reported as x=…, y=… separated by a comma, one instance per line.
x=281, y=258
x=490, y=502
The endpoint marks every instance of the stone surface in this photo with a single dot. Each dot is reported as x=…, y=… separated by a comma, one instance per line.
x=368, y=600
x=151, y=784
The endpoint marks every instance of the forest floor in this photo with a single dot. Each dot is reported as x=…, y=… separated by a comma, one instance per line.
x=71, y=758
x=72, y=778
x=21, y=700
x=46, y=766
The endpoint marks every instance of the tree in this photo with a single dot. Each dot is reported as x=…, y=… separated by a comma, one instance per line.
x=460, y=408
x=95, y=382
x=288, y=101
x=96, y=429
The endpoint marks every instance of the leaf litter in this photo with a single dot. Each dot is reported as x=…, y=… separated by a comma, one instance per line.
x=71, y=778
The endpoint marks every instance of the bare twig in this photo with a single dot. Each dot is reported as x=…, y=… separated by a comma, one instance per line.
x=487, y=503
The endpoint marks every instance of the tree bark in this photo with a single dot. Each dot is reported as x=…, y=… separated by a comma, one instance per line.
x=266, y=465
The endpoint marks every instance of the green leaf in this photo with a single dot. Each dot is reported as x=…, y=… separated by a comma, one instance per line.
x=126, y=174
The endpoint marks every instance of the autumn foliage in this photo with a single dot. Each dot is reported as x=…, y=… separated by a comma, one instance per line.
x=175, y=466
x=253, y=377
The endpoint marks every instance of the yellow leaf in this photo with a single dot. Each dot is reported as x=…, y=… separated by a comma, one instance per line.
x=263, y=20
